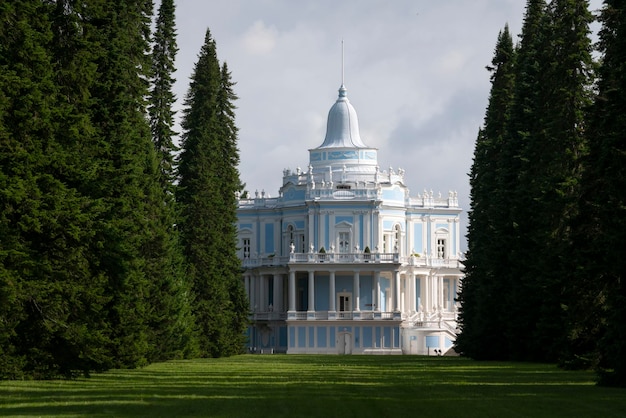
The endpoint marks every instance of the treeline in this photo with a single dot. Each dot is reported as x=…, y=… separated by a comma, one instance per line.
x=545, y=269
x=116, y=248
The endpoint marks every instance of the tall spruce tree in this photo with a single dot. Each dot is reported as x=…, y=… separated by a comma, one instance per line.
x=481, y=303
x=515, y=221
x=162, y=98
x=230, y=185
x=118, y=33
x=558, y=159
x=172, y=324
x=547, y=191
x=206, y=193
x=53, y=324
x=601, y=227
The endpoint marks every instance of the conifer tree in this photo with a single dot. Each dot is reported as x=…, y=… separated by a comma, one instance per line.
x=601, y=226
x=162, y=98
x=481, y=312
x=118, y=34
x=557, y=166
x=53, y=323
x=172, y=324
x=515, y=220
x=230, y=185
x=546, y=195
x=207, y=174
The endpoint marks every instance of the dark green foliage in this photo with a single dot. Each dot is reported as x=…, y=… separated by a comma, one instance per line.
x=173, y=327
x=550, y=128
x=52, y=299
x=601, y=227
x=519, y=270
x=162, y=98
x=125, y=157
x=208, y=182
x=90, y=264
x=482, y=312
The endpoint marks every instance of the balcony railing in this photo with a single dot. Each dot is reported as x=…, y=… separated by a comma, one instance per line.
x=344, y=258
x=349, y=258
x=341, y=315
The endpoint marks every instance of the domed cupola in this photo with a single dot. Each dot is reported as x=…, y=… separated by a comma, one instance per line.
x=342, y=129
x=343, y=156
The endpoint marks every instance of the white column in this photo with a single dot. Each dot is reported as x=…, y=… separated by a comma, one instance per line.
x=427, y=304
x=311, y=291
x=246, y=281
x=376, y=300
x=292, y=291
x=357, y=291
x=331, y=293
x=440, y=281
x=410, y=290
x=278, y=292
x=262, y=294
x=396, y=293
x=253, y=298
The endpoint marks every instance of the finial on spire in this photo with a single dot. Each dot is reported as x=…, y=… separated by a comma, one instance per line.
x=342, y=63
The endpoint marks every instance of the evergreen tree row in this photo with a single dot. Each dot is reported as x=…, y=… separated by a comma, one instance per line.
x=543, y=268
x=95, y=267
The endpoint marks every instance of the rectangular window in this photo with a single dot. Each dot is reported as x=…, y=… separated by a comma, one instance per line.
x=246, y=248
x=344, y=242
x=441, y=248
x=344, y=302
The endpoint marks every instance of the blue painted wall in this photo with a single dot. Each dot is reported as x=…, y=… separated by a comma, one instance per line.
x=343, y=282
x=367, y=337
x=418, y=244
x=340, y=219
x=361, y=226
x=432, y=341
x=395, y=194
x=387, y=341
x=269, y=238
x=322, y=283
x=321, y=337
x=301, y=337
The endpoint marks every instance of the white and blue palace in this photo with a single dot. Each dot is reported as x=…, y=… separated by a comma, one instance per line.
x=344, y=260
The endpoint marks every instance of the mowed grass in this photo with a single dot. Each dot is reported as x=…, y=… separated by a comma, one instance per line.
x=320, y=386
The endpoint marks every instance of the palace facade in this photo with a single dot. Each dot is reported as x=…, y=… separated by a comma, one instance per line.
x=345, y=261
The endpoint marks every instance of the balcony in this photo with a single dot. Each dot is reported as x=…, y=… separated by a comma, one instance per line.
x=350, y=258
x=345, y=258
x=342, y=315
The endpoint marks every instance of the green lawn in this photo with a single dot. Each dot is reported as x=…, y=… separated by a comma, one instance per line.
x=321, y=386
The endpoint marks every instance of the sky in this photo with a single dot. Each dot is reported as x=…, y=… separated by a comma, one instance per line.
x=414, y=71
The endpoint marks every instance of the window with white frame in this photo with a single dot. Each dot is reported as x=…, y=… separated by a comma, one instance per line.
x=245, y=247
x=295, y=237
x=441, y=248
x=344, y=242
x=392, y=240
x=397, y=238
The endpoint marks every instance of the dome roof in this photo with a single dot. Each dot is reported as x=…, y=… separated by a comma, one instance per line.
x=342, y=129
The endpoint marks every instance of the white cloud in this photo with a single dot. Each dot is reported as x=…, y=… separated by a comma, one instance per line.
x=260, y=39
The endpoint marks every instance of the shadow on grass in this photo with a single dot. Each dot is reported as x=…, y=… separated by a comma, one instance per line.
x=324, y=386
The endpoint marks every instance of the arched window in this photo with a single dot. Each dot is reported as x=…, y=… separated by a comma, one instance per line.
x=397, y=239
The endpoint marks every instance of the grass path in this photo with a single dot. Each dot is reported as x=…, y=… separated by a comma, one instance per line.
x=320, y=386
